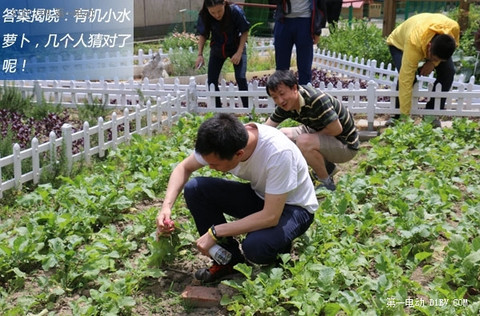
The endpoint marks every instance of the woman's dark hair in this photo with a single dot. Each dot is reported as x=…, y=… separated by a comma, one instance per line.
x=443, y=46
x=287, y=77
x=207, y=18
x=222, y=135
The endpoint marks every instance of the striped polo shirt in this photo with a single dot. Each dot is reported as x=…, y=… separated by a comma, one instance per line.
x=317, y=110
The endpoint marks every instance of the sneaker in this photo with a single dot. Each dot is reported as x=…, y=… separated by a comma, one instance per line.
x=331, y=168
x=436, y=123
x=328, y=184
x=216, y=272
x=390, y=122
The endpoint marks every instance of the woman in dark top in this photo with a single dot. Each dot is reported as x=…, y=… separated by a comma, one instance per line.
x=227, y=27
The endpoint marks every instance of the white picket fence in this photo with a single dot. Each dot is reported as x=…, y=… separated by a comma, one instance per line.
x=96, y=140
x=149, y=105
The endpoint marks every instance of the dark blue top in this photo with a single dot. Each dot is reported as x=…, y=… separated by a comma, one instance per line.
x=225, y=34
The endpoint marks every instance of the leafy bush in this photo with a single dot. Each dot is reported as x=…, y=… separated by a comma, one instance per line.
x=466, y=55
x=90, y=112
x=183, y=62
x=11, y=99
x=360, y=39
x=467, y=37
x=179, y=40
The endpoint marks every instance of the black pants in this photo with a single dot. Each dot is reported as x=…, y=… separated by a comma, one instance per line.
x=444, y=75
x=334, y=8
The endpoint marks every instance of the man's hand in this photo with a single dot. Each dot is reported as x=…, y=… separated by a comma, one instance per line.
x=236, y=58
x=199, y=62
x=204, y=243
x=165, y=226
x=427, y=68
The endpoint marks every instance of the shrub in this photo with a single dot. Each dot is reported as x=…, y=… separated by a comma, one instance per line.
x=179, y=40
x=183, y=62
x=358, y=39
x=466, y=55
x=11, y=99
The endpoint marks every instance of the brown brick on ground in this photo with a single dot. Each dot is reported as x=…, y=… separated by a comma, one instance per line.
x=201, y=296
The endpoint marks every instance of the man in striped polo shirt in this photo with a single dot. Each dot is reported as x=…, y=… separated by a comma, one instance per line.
x=327, y=132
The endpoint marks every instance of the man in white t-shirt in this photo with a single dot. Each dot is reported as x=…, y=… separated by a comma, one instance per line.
x=275, y=206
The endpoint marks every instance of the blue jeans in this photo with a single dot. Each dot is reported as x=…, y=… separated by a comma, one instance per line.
x=215, y=64
x=294, y=31
x=444, y=75
x=209, y=199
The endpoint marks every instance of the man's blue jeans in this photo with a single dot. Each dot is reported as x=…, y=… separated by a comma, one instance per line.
x=215, y=64
x=209, y=199
x=294, y=31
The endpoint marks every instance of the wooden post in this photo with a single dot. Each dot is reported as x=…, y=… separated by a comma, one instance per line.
x=183, y=11
x=389, y=16
x=464, y=7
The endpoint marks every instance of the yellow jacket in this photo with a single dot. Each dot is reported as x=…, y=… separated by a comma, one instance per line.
x=412, y=37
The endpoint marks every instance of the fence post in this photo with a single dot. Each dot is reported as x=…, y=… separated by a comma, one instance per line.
x=37, y=92
x=106, y=95
x=168, y=109
x=53, y=153
x=371, y=69
x=114, y=130
x=140, y=57
x=123, y=96
x=86, y=141
x=159, y=113
x=67, y=143
x=101, y=138
x=192, y=97
x=17, y=166
x=211, y=103
x=35, y=161
x=149, y=118
x=138, y=119
x=73, y=94
x=126, y=125
x=372, y=103
x=89, y=94
x=56, y=93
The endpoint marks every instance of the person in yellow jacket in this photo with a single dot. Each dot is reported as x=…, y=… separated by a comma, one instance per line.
x=430, y=38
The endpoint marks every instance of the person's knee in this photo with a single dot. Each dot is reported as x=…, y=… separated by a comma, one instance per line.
x=305, y=142
x=190, y=190
x=258, y=253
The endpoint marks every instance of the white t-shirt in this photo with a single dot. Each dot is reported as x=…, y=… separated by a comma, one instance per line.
x=276, y=166
x=300, y=9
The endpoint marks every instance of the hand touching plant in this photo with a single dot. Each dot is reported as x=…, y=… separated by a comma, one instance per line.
x=165, y=225
x=166, y=241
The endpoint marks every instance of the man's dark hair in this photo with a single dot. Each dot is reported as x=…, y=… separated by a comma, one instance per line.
x=287, y=77
x=443, y=46
x=222, y=135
